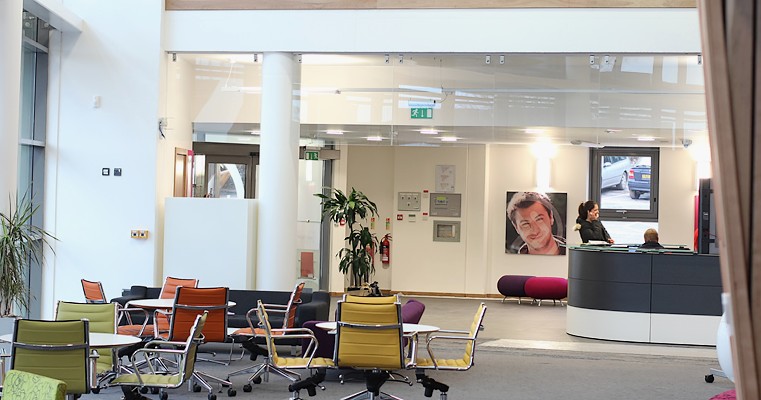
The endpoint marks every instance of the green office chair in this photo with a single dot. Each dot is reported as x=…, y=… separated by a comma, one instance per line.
x=102, y=318
x=20, y=385
x=55, y=349
x=145, y=375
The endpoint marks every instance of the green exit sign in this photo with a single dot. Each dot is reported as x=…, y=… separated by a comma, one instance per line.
x=311, y=155
x=421, y=113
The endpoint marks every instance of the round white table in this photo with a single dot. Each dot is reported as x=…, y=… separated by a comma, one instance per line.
x=160, y=303
x=407, y=328
x=97, y=340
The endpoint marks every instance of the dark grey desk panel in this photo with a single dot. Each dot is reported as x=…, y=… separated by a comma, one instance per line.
x=609, y=296
x=686, y=300
x=609, y=266
x=684, y=269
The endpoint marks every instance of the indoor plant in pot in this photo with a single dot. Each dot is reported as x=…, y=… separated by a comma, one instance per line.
x=356, y=259
x=21, y=245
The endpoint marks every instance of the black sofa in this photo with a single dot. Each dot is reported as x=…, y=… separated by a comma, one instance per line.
x=314, y=305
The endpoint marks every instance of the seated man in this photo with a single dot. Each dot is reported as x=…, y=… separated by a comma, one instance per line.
x=651, y=240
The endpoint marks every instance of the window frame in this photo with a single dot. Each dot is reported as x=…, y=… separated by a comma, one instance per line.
x=595, y=184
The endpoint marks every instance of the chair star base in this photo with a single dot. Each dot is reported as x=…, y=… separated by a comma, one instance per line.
x=430, y=384
x=374, y=380
x=310, y=384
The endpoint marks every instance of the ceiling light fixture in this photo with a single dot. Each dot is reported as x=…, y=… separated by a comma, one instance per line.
x=429, y=132
x=255, y=132
x=334, y=132
x=645, y=139
x=612, y=130
x=448, y=139
x=374, y=138
x=534, y=131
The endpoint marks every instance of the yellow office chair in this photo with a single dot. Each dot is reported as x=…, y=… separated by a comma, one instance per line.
x=369, y=338
x=184, y=351
x=452, y=364
x=283, y=366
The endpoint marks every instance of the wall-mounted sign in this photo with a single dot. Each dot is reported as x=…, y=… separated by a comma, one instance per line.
x=445, y=204
x=421, y=113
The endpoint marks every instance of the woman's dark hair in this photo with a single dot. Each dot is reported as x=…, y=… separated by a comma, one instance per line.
x=585, y=208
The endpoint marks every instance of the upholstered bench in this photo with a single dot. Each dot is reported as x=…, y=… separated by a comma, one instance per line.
x=513, y=286
x=547, y=288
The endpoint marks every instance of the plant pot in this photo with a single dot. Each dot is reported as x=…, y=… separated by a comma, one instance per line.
x=362, y=291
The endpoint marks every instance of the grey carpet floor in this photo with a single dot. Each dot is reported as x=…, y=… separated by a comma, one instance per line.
x=593, y=369
x=504, y=373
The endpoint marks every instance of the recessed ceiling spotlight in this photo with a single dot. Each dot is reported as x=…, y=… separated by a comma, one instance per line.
x=646, y=139
x=534, y=131
x=334, y=132
x=448, y=139
x=429, y=131
x=374, y=138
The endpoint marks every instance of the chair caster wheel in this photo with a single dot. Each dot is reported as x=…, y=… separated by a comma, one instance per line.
x=163, y=396
x=247, y=388
x=231, y=392
x=154, y=390
x=95, y=390
x=257, y=380
x=212, y=396
x=709, y=378
x=143, y=390
x=196, y=387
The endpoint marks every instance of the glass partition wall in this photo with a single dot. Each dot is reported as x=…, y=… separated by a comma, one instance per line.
x=439, y=100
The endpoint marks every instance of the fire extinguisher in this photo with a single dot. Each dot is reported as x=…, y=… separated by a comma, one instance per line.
x=385, y=249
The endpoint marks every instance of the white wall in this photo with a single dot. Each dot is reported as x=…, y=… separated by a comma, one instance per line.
x=90, y=214
x=484, y=175
x=458, y=31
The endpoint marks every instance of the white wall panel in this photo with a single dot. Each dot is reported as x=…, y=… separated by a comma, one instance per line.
x=94, y=214
x=464, y=31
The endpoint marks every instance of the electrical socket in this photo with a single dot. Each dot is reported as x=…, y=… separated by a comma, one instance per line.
x=134, y=234
x=142, y=234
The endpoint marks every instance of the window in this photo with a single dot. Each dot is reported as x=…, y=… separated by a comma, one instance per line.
x=34, y=87
x=625, y=183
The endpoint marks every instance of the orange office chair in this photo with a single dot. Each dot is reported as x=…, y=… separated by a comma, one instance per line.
x=167, y=292
x=171, y=284
x=93, y=292
x=189, y=302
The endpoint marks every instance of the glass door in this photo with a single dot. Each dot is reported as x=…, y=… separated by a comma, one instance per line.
x=227, y=177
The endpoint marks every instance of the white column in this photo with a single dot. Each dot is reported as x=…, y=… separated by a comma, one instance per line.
x=10, y=96
x=278, y=174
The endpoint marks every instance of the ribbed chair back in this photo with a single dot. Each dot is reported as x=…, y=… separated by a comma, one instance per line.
x=102, y=319
x=56, y=349
x=369, y=336
x=93, y=292
x=190, y=302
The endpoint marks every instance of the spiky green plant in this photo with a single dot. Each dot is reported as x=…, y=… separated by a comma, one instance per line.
x=357, y=258
x=21, y=245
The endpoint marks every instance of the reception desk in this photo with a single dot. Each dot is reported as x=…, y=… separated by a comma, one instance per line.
x=651, y=297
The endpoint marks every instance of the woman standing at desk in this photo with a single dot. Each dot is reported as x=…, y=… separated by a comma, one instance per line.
x=588, y=223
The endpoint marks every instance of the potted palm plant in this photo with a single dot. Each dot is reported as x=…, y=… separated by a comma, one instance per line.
x=21, y=245
x=356, y=259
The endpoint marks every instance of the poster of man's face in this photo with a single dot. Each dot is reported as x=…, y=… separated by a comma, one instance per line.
x=535, y=223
